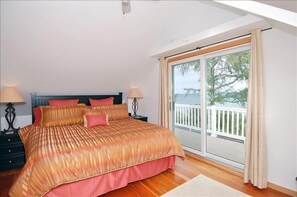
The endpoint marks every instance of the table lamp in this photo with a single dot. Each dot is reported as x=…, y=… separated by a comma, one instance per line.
x=135, y=94
x=10, y=95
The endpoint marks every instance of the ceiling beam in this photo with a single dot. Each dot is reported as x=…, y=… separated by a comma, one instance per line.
x=261, y=9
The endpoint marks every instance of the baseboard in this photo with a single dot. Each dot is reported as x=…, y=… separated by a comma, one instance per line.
x=282, y=189
x=216, y=165
x=240, y=174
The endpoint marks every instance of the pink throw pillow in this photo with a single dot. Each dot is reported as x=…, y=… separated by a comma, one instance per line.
x=96, y=120
x=37, y=116
x=67, y=102
x=99, y=102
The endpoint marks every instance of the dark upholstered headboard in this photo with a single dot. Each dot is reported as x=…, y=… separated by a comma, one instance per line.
x=42, y=100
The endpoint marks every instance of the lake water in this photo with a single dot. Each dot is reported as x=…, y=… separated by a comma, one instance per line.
x=194, y=99
x=191, y=99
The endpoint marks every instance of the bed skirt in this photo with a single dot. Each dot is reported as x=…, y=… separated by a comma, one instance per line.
x=102, y=184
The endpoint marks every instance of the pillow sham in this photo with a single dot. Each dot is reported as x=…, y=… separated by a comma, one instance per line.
x=38, y=113
x=99, y=102
x=62, y=115
x=114, y=112
x=62, y=102
x=37, y=116
x=95, y=120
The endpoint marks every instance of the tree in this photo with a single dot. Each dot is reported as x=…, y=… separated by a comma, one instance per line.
x=186, y=67
x=224, y=74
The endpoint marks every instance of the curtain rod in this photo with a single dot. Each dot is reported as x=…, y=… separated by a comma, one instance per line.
x=198, y=48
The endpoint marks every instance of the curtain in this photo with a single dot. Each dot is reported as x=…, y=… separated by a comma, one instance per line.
x=164, y=93
x=255, y=148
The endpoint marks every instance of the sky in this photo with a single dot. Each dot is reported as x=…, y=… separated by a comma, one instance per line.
x=188, y=80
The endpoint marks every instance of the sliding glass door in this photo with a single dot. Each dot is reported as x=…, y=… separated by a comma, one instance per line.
x=209, y=101
x=226, y=103
x=186, y=111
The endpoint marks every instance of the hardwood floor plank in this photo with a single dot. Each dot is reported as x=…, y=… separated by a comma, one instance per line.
x=140, y=188
x=158, y=185
x=5, y=183
x=172, y=177
x=126, y=191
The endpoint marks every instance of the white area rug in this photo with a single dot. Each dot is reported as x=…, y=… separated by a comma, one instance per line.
x=204, y=186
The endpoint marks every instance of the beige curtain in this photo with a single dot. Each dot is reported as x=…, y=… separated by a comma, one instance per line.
x=164, y=93
x=255, y=155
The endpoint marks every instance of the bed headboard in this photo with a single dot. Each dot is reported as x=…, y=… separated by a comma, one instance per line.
x=42, y=100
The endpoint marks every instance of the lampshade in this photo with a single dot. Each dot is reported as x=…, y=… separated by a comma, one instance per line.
x=135, y=93
x=10, y=95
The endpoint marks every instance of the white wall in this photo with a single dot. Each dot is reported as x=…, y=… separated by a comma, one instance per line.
x=280, y=65
x=148, y=106
x=20, y=121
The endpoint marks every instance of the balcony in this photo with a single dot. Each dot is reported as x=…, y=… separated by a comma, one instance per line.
x=225, y=129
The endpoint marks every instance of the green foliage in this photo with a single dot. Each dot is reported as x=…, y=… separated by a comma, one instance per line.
x=186, y=67
x=226, y=77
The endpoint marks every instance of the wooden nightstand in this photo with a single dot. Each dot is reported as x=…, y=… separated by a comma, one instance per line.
x=139, y=117
x=12, y=153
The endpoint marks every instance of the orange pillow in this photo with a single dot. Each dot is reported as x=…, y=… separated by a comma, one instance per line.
x=67, y=102
x=96, y=120
x=38, y=115
x=114, y=112
x=62, y=115
x=99, y=102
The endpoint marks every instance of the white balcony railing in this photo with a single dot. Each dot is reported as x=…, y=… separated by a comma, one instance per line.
x=223, y=121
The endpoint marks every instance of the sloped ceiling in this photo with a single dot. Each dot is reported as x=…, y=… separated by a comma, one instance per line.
x=285, y=5
x=277, y=14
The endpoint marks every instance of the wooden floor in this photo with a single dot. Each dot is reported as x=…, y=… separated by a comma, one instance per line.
x=160, y=184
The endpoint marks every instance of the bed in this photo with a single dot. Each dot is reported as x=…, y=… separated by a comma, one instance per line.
x=74, y=159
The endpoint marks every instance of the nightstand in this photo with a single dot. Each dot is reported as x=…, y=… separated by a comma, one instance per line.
x=12, y=153
x=139, y=117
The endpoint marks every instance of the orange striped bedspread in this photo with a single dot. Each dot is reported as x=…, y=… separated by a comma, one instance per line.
x=58, y=155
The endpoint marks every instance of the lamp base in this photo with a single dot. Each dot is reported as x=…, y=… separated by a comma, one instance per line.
x=10, y=116
x=134, y=107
